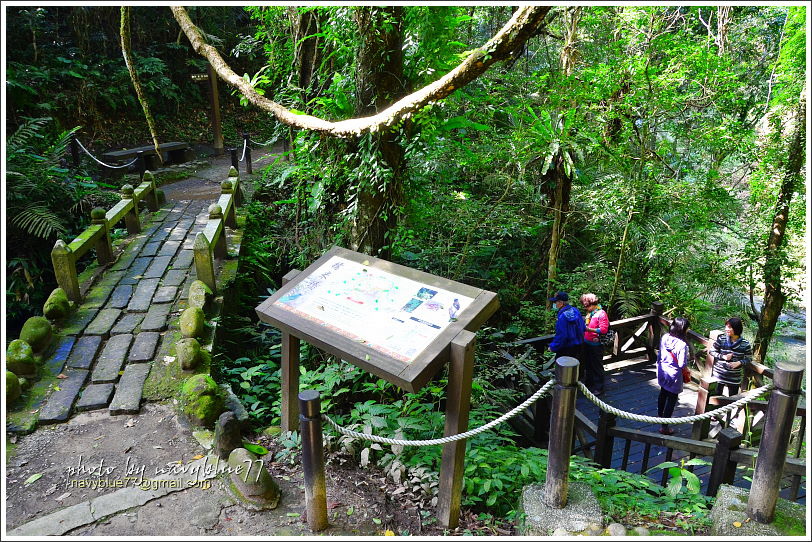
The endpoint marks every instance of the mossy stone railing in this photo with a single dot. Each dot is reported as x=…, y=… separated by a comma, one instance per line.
x=210, y=244
x=97, y=235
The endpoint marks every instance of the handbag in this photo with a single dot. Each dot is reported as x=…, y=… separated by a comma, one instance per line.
x=608, y=338
x=686, y=372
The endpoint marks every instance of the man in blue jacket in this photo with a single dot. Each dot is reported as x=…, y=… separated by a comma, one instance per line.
x=569, y=328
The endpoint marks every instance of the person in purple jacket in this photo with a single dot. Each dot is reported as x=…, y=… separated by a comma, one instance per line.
x=569, y=328
x=674, y=355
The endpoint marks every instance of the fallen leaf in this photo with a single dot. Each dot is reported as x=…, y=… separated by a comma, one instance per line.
x=255, y=448
x=331, y=505
x=100, y=436
x=62, y=497
x=57, y=388
x=293, y=514
x=33, y=478
x=198, y=456
x=62, y=375
x=387, y=532
x=158, y=447
x=737, y=523
x=350, y=510
x=376, y=521
x=365, y=262
x=130, y=422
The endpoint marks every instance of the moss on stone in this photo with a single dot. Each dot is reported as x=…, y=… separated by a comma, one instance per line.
x=192, y=322
x=20, y=358
x=201, y=400
x=57, y=306
x=37, y=332
x=188, y=353
x=13, y=390
x=789, y=525
x=199, y=294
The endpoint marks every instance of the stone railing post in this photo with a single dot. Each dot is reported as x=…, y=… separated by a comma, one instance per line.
x=65, y=270
x=313, y=459
x=723, y=469
x=204, y=263
x=152, y=196
x=131, y=219
x=249, y=168
x=561, y=431
x=104, y=246
x=234, y=174
x=220, y=249
x=227, y=187
x=772, y=452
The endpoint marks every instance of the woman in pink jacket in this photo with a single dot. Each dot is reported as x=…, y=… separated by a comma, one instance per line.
x=597, y=322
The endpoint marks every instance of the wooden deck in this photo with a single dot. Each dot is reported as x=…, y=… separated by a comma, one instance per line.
x=634, y=389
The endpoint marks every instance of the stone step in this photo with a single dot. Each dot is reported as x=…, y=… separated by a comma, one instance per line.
x=103, y=322
x=111, y=359
x=56, y=362
x=142, y=297
x=136, y=271
x=184, y=259
x=143, y=349
x=95, y=396
x=84, y=352
x=165, y=294
x=174, y=277
x=127, y=399
x=120, y=296
x=78, y=321
x=58, y=405
x=157, y=267
x=156, y=318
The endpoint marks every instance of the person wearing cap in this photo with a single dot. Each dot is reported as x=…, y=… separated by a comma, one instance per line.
x=569, y=328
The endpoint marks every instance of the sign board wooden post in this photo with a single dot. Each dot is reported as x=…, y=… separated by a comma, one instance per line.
x=398, y=323
x=214, y=106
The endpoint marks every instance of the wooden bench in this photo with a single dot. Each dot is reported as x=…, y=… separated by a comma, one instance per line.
x=174, y=152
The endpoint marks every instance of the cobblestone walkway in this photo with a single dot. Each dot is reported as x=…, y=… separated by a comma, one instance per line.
x=111, y=341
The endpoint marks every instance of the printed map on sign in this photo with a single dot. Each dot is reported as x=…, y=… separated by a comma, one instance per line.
x=394, y=315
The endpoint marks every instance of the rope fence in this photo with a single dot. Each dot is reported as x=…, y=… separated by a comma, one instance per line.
x=244, y=147
x=87, y=152
x=752, y=395
x=269, y=142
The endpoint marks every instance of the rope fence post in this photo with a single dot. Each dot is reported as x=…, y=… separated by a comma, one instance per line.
x=561, y=431
x=74, y=152
x=458, y=406
x=723, y=469
x=248, y=166
x=234, y=162
x=141, y=163
x=313, y=459
x=772, y=452
x=104, y=246
x=131, y=219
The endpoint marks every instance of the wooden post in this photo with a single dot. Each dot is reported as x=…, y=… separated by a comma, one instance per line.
x=234, y=162
x=214, y=103
x=460, y=373
x=290, y=372
x=227, y=187
x=74, y=151
x=249, y=168
x=204, y=263
x=65, y=270
x=772, y=452
x=104, y=246
x=604, y=441
x=313, y=460
x=141, y=164
x=561, y=431
x=723, y=469
x=220, y=246
x=655, y=331
x=707, y=387
x=131, y=219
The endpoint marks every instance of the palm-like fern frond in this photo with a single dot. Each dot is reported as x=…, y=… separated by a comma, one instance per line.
x=38, y=221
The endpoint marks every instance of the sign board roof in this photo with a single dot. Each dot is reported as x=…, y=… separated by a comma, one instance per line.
x=394, y=321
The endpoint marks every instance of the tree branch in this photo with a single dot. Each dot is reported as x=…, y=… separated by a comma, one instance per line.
x=525, y=23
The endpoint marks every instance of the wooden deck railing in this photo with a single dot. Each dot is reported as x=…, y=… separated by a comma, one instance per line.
x=97, y=235
x=211, y=243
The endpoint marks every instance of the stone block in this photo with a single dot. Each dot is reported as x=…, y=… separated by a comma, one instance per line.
x=127, y=399
x=227, y=434
x=251, y=480
x=150, y=249
x=136, y=271
x=143, y=349
x=20, y=358
x=58, y=405
x=84, y=352
x=158, y=266
x=165, y=294
x=77, y=322
x=57, y=306
x=540, y=519
x=192, y=322
x=37, y=332
x=188, y=354
x=95, y=396
x=103, y=322
x=142, y=297
x=13, y=388
x=184, y=259
x=729, y=517
x=174, y=277
x=156, y=318
x=111, y=359
x=120, y=296
x=169, y=248
x=127, y=323
x=56, y=362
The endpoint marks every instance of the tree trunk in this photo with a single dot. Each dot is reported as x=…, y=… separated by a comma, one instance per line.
x=561, y=206
x=774, y=297
x=379, y=83
x=308, y=53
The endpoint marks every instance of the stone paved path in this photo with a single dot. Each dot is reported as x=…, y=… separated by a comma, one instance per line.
x=114, y=336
